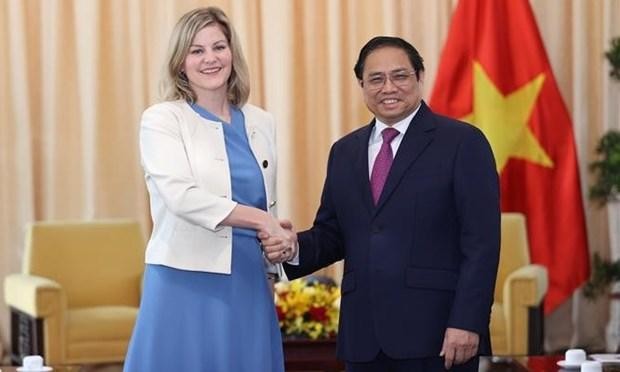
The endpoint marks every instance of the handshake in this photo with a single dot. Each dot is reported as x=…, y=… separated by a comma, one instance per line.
x=278, y=241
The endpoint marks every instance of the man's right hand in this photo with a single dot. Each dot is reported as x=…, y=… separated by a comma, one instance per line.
x=279, y=243
x=459, y=345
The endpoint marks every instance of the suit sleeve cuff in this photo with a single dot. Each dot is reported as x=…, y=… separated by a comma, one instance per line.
x=295, y=259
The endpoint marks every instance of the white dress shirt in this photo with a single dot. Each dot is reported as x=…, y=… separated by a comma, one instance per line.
x=376, y=139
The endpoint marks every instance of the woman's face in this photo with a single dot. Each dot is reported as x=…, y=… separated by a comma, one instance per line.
x=208, y=64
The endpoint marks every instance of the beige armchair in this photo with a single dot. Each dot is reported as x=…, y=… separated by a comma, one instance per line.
x=516, y=317
x=77, y=296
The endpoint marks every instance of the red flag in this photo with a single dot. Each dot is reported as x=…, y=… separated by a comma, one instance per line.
x=494, y=73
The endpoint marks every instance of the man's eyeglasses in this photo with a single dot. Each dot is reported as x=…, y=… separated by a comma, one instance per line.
x=399, y=78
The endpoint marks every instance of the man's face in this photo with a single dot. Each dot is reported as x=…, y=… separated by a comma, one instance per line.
x=389, y=84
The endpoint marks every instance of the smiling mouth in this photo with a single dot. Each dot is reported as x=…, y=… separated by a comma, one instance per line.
x=210, y=70
x=389, y=101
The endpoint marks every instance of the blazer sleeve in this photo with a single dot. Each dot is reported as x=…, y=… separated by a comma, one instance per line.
x=476, y=193
x=167, y=170
x=321, y=245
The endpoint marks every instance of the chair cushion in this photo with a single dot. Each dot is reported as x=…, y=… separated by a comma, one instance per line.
x=499, y=338
x=102, y=323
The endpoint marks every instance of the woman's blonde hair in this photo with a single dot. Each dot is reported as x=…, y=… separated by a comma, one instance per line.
x=174, y=84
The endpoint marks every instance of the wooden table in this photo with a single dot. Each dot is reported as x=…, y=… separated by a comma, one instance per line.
x=320, y=355
x=548, y=363
x=307, y=355
x=73, y=368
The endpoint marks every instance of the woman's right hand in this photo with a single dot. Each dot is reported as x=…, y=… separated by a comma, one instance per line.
x=278, y=243
x=278, y=239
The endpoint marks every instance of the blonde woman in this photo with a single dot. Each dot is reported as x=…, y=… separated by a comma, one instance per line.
x=210, y=166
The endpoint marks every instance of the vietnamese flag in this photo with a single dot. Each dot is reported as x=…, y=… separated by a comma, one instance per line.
x=494, y=73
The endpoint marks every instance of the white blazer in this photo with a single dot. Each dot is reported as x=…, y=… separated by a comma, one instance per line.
x=188, y=179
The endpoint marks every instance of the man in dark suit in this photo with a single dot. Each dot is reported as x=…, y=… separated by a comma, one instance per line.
x=411, y=203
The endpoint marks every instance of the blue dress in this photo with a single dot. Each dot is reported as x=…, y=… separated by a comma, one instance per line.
x=207, y=322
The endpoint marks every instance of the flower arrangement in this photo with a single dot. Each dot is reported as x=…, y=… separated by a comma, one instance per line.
x=308, y=308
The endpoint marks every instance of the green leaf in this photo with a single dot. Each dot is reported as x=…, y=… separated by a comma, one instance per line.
x=607, y=169
x=604, y=272
x=613, y=55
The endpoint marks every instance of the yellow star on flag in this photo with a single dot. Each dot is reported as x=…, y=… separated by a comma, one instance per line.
x=504, y=119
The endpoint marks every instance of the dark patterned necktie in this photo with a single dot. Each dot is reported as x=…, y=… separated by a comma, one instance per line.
x=383, y=163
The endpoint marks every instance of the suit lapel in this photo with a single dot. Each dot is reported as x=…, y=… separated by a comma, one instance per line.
x=361, y=166
x=419, y=134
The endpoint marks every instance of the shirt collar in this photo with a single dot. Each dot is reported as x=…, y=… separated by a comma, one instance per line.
x=400, y=126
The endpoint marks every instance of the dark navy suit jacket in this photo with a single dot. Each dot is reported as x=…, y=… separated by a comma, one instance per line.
x=425, y=258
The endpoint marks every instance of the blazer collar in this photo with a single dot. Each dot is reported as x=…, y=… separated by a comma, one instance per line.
x=250, y=123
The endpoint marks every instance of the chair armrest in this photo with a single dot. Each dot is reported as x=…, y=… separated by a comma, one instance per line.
x=524, y=288
x=34, y=295
x=44, y=298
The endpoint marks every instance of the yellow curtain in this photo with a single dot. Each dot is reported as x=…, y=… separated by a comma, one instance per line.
x=75, y=76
